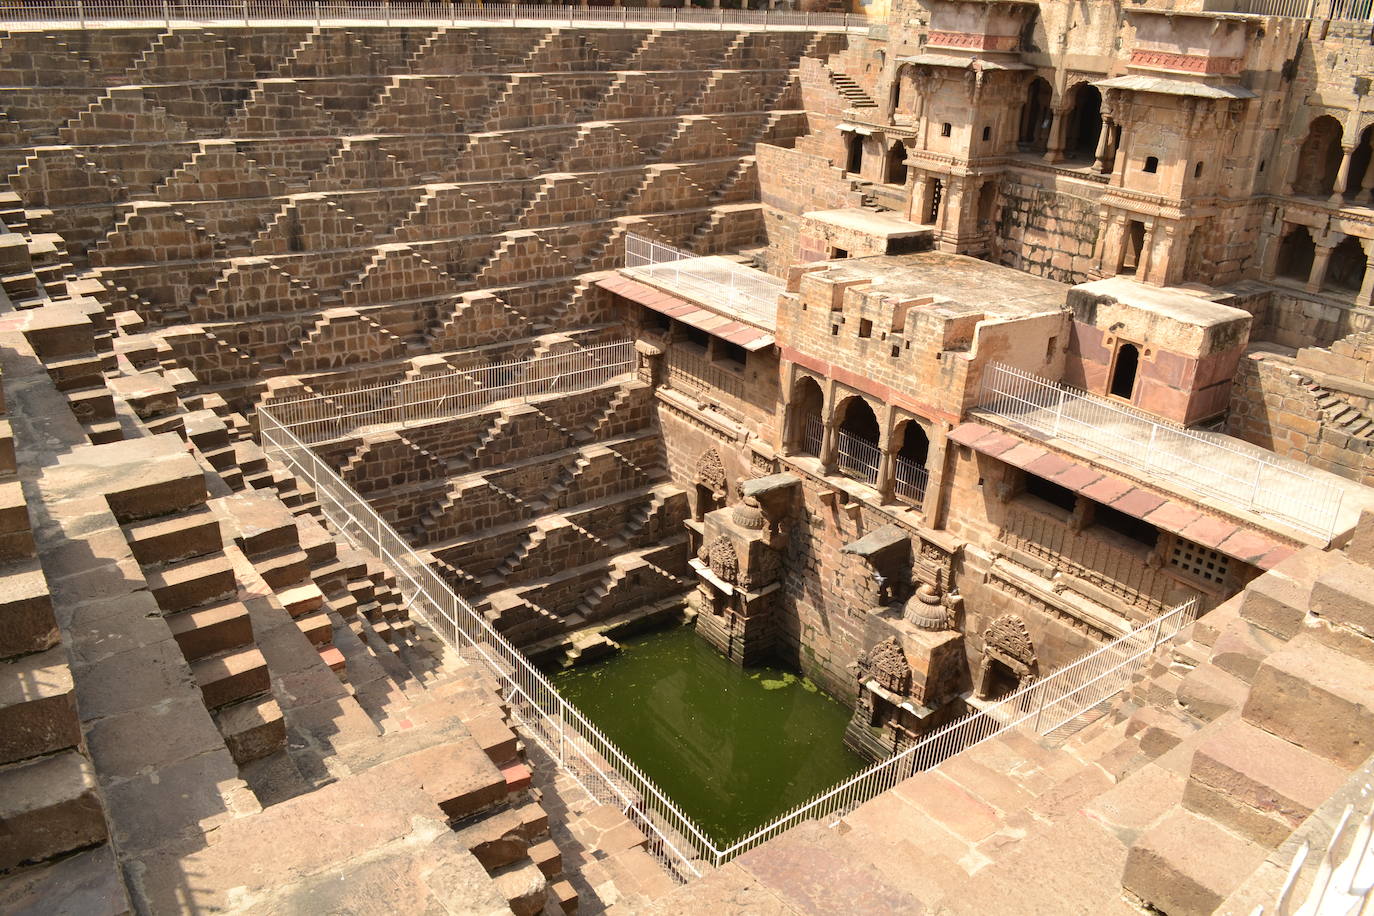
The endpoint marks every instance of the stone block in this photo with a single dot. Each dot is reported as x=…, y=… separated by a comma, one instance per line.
x=1208, y=692
x=234, y=676
x=1317, y=698
x=1344, y=595
x=48, y=806
x=1276, y=603
x=1186, y=865
x=37, y=706
x=497, y=840
x=253, y=729
x=205, y=631
x=456, y=775
x=27, y=622
x=168, y=539
x=1256, y=784
x=190, y=583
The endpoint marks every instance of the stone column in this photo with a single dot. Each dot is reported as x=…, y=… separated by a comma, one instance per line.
x=1054, y=150
x=1366, y=194
x=885, y=454
x=1320, y=259
x=1366, y=295
x=1342, y=176
x=829, y=443
x=1118, y=160
x=1100, y=157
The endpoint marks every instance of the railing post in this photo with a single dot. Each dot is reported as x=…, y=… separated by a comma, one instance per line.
x=386, y=10
x=245, y=14
x=81, y=12
x=166, y=14
x=1059, y=412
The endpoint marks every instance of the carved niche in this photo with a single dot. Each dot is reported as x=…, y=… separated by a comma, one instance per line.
x=886, y=663
x=1007, y=639
x=721, y=557
x=711, y=472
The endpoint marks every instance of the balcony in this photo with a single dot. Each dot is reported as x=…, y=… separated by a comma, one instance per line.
x=1232, y=473
x=719, y=284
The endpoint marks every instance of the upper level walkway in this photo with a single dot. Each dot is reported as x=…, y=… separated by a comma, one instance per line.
x=1233, y=475
x=96, y=14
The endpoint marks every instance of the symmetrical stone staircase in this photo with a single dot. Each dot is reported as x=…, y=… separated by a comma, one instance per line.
x=322, y=151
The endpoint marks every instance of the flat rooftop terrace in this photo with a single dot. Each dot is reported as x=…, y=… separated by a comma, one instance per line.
x=956, y=283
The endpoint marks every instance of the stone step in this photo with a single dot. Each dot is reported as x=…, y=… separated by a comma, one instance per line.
x=262, y=527
x=1276, y=603
x=1157, y=730
x=1256, y=784
x=1316, y=697
x=284, y=569
x=88, y=883
x=232, y=676
x=48, y=806
x=37, y=706
x=1186, y=865
x=1241, y=648
x=205, y=631
x=193, y=582
x=565, y=895
x=16, y=538
x=1207, y=692
x=317, y=628
x=1344, y=596
x=523, y=886
x=166, y=540
x=548, y=857
x=497, y=840
x=26, y=608
x=456, y=775
x=252, y=729
x=300, y=600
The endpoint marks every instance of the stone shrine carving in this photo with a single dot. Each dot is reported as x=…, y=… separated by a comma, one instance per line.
x=721, y=557
x=711, y=472
x=886, y=663
x=1007, y=636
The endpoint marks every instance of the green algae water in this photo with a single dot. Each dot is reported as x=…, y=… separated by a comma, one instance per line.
x=732, y=747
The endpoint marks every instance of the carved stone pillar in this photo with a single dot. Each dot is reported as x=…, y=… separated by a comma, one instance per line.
x=1100, y=156
x=1320, y=259
x=1367, y=285
x=1367, y=184
x=829, y=442
x=1054, y=151
x=1342, y=176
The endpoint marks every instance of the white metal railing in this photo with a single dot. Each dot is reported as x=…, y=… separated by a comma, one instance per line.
x=101, y=13
x=566, y=734
x=909, y=480
x=1329, y=10
x=857, y=457
x=1047, y=706
x=1204, y=463
x=319, y=417
x=715, y=282
x=1342, y=885
x=1054, y=704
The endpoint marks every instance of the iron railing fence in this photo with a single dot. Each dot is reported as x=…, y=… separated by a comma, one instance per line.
x=813, y=434
x=857, y=457
x=318, y=418
x=601, y=768
x=100, y=13
x=1317, y=10
x=909, y=481
x=717, y=283
x=1048, y=706
x=566, y=734
x=1204, y=463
